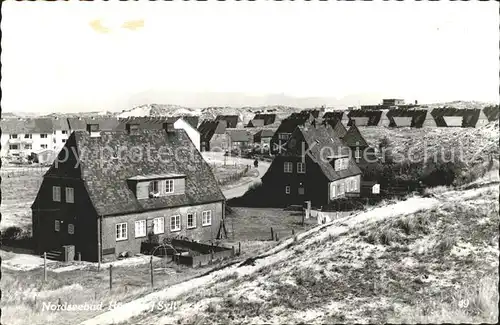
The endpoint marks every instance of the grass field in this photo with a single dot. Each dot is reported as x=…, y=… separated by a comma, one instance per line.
x=429, y=260
x=19, y=189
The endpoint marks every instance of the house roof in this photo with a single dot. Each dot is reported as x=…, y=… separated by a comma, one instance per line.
x=207, y=129
x=320, y=139
x=27, y=126
x=256, y=123
x=337, y=126
x=232, y=120
x=335, y=115
x=105, y=123
x=240, y=135
x=268, y=118
x=105, y=176
x=354, y=138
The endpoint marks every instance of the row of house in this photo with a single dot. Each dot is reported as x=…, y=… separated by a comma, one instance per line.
x=22, y=137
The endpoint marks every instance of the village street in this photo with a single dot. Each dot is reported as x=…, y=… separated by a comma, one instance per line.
x=238, y=189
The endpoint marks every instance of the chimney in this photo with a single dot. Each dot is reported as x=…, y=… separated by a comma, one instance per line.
x=132, y=128
x=169, y=127
x=93, y=130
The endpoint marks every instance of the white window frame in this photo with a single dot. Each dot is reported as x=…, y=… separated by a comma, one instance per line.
x=206, y=218
x=119, y=231
x=337, y=165
x=288, y=167
x=159, y=225
x=354, y=184
x=28, y=146
x=140, y=228
x=57, y=225
x=64, y=132
x=288, y=189
x=193, y=218
x=176, y=222
x=28, y=136
x=11, y=147
x=342, y=188
x=56, y=193
x=333, y=190
x=44, y=146
x=70, y=193
x=301, y=168
x=43, y=135
x=171, y=188
x=13, y=136
x=71, y=229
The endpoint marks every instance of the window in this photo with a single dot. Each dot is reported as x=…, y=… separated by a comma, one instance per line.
x=43, y=146
x=27, y=146
x=27, y=136
x=159, y=225
x=13, y=136
x=357, y=154
x=43, y=136
x=342, y=188
x=287, y=189
x=175, y=223
x=153, y=187
x=121, y=231
x=283, y=136
x=288, y=167
x=56, y=194
x=64, y=132
x=169, y=186
x=354, y=186
x=191, y=220
x=71, y=229
x=63, y=140
x=140, y=228
x=13, y=146
x=57, y=225
x=301, y=190
x=301, y=168
x=70, y=195
x=333, y=190
x=206, y=219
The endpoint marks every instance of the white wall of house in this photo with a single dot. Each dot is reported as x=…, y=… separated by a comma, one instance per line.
x=338, y=188
x=59, y=139
x=192, y=133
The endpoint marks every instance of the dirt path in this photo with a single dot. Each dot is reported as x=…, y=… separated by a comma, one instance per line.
x=236, y=190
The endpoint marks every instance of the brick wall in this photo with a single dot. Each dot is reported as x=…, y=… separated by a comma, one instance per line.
x=133, y=244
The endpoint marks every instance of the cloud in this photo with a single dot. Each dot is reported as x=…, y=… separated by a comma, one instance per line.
x=98, y=27
x=133, y=24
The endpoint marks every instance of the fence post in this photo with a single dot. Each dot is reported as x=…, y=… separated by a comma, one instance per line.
x=239, y=248
x=232, y=249
x=293, y=231
x=110, y=276
x=276, y=236
x=272, y=233
x=44, y=266
x=99, y=257
x=152, y=271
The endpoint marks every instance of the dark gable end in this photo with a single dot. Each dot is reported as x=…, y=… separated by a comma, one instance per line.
x=353, y=138
x=108, y=161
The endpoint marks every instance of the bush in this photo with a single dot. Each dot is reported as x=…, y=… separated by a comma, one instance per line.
x=12, y=233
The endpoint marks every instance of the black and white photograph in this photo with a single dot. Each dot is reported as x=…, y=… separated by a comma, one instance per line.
x=249, y=162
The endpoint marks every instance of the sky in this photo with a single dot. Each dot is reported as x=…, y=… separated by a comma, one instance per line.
x=80, y=56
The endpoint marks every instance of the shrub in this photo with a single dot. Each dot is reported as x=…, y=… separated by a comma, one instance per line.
x=371, y=238
x=12, y=233
x=386, y=237
x=446, y=244
x=407, y=225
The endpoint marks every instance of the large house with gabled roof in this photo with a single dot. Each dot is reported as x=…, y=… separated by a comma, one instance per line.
x=108, y=191
x=314, y=165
